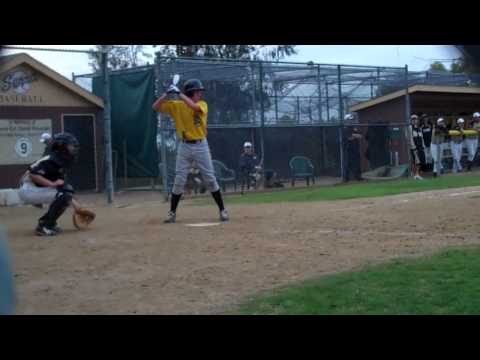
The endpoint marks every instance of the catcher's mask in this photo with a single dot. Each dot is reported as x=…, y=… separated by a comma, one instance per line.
x=191, y=86
x=66, y=146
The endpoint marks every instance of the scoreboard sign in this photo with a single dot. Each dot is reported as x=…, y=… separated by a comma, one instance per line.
x=20, y=140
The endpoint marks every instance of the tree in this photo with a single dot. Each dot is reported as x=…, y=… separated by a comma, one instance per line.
x=119, y=56
x=470, y=58
x=438, y=66
x=457, y=67
x=230, y=101
x=248, y=52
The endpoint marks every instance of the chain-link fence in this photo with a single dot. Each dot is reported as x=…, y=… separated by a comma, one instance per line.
x=288, y=111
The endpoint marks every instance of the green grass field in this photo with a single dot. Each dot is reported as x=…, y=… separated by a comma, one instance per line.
x=444, y=283
x=352, y=191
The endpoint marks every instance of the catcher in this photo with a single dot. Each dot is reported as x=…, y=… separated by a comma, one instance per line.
x=44, y=183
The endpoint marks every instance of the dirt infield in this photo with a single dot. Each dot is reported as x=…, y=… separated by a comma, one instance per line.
x=132, y=263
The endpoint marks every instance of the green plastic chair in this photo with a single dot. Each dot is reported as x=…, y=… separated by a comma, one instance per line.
x=224, y=175
x=301, y=167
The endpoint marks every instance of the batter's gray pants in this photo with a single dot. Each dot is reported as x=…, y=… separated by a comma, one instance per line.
x=186, y=154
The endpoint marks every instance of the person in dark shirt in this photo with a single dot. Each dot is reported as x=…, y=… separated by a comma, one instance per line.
x=440, y=137
x=427, y=128
x=249, y=165
x=352, y=152
x=417, y=147
x=44, y=183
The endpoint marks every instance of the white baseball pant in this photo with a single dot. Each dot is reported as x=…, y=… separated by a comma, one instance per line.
x=437, y=156
x=456, y=156
x=35, y=195
x=472, y=146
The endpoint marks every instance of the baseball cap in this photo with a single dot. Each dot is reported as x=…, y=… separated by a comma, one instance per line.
x=45, y=137
x=460, y=121
x=439, y=120
x=476, y=114
x=247, y=144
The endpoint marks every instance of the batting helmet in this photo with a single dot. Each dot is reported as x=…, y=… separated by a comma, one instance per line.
x=192, y=85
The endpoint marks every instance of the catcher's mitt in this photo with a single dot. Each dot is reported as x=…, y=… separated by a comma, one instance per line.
x=82, y=218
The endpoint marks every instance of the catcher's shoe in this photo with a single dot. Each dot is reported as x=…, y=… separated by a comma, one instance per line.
x=171, y=217
x=58, y=229
x=43, y=230
x=224, y=215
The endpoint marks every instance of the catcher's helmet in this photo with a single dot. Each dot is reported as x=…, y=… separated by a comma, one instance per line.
x=66, y=145
x=192, y=85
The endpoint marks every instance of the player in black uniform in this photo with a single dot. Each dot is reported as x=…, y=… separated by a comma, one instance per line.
x=417, y=147
x=44, y=183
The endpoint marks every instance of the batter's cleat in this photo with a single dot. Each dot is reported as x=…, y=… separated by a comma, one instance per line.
x=171, y=217
x=434, y=174
x=42, y=230
x=224, y=215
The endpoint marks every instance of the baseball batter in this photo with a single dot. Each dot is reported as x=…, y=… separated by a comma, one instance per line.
x=44, y=183
x=471, y=141
x=456, y=144
x=190, y=115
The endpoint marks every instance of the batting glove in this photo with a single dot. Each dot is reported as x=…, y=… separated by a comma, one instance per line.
x=173, y=89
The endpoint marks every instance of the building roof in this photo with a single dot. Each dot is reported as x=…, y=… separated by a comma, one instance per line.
x=9, y=62
x=416, y=89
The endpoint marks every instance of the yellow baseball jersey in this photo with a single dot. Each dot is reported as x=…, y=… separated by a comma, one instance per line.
x=190, y=125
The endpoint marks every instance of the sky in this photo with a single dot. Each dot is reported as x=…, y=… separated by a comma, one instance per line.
x=417, y=57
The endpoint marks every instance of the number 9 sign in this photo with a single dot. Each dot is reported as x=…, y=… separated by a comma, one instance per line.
x=23, y=147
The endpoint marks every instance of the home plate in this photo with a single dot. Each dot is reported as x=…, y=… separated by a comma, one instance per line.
x=203, y=224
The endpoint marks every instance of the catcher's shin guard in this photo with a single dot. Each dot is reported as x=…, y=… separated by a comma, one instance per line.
x=62, y=201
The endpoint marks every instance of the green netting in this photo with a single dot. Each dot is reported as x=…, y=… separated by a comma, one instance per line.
x=134, y=123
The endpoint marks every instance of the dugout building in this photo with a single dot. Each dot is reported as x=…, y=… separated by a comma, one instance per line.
x=449, y=102
x=35, y=99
